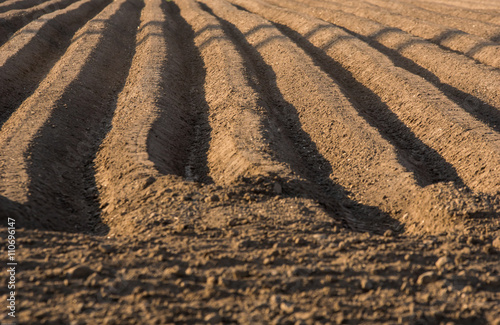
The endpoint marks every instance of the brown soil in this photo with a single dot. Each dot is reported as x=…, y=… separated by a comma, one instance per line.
x=266, y=161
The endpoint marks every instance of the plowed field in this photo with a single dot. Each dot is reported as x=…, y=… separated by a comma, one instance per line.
x=264, y=161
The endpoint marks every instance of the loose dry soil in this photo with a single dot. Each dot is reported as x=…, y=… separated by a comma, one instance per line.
x=252, y=162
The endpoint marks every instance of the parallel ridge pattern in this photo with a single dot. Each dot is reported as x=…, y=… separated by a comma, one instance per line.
x=381, y=110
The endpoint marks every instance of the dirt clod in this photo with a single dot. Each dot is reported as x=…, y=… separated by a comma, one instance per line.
x=80, y=272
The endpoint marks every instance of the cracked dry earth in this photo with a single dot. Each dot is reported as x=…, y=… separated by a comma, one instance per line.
x=251, y=162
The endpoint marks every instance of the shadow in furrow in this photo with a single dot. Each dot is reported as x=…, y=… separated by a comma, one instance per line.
x=473, y=105
x=11, y=22
x=196, y=107
x=11, y=211
x=304, y=158
x=63, y=187
x=428, y=166
x=495, y=38
x=21, y=74
x=21, y=4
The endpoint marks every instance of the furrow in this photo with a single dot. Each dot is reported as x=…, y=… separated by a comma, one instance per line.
x=28, y=56
x=477, y=87
x=476, y=5
x=290, y=143
x=355, y=154
x=473, y=46
x=475, y=27
x=152, y=125
x=470, y=146
x=18, y=4
x=458, y=12
x=240, y=131
x=49, y=143
x=13, y=20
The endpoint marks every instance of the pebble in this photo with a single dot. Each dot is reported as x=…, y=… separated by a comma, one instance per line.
x=319, y=237
x=488, y=249
x=300, y=241
x=342, y=246
x=442, y=262
x=304, y=315
x=150, y=180
x=287, y=307
x=496, y=243
x=77, y=322
x=213, y=318
x=211, y=281
x=80, y=272
x=366, y=284
x=213, y=198
x=106, y=248
x=427, y=278
x=275, y=300
x=298, y=271
x=92, y=280
x=175, y=271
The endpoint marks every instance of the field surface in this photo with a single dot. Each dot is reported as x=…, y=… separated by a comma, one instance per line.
x=251, y=161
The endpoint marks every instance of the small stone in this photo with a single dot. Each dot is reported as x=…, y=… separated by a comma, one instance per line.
x=496, y=243
x=340, y=319
x=213, y=198
x=287, y=307
x=224, y=282
x=92, y=280
x=275, y=300
x=150, y=180
x=442, y=262
x=77, y=322
x=80, y=272
x=211, y=281
x=300, y=241
x=240, y=274
x=213, y=318
x=175, y=271
x=304, y=315
x=180, y=227
x=488, y=249
x=298, y=271
x=468, y=289
x=426, y=278
x=471, y=241
x=388, y=233
x=248, y=197
x=366, y=284
x=319, y=237
x=342, y=245
x=106, y=248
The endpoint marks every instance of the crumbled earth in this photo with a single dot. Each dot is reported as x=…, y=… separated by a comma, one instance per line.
x=253, y=269
x=250, y=162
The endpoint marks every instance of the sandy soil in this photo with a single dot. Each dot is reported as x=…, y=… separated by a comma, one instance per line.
x=253, y=162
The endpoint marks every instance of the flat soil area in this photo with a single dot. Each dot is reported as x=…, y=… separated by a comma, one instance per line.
x=250, y=162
